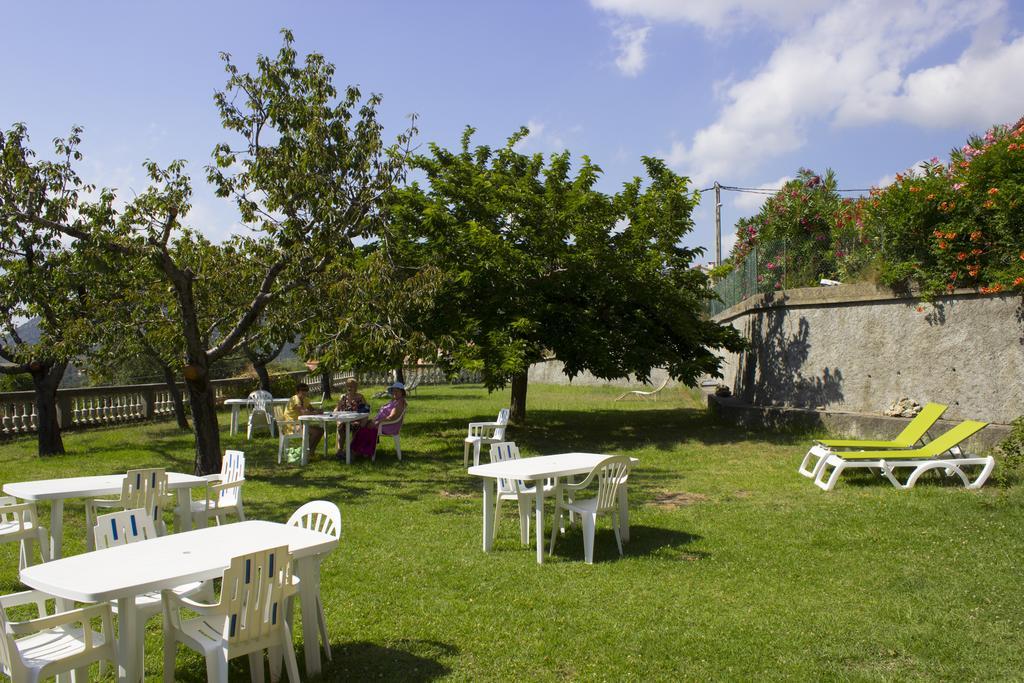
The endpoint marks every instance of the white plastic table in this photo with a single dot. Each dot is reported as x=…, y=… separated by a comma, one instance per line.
x=323, y=418
x=123, y=572
x=537, y=470
x=236, y=405
x=56, y=491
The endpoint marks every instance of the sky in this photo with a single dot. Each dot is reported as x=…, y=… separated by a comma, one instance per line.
x=743, y=92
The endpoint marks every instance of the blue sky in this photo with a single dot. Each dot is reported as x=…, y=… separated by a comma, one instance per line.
x=740, y=91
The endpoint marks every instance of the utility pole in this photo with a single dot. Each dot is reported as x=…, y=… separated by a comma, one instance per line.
x=718, y=224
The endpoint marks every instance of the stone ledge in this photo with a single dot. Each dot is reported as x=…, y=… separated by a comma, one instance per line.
x=835, y=296
x=842, y=425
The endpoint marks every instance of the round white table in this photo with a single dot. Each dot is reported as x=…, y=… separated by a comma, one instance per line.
x=322, y=419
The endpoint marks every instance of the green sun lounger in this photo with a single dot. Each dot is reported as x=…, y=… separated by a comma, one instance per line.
x=943, y=452
x=911, y=436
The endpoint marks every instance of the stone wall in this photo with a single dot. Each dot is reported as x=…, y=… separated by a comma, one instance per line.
x=858, y=348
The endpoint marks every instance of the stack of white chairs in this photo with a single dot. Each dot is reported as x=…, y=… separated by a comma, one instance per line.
x=260, y=406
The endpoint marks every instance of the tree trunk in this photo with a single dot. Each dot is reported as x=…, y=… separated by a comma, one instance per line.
x=261, y=372
x=172, y=388
x=325, y=382
x=400, y=374
x=517, y=407
x=45, y=380
x=204, y=420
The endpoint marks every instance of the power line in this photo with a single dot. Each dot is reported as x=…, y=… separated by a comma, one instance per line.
x=771, y=190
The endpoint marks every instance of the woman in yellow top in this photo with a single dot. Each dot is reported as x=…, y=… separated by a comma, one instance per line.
x=299, y=405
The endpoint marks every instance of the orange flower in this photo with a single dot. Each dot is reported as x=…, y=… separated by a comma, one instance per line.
x=1022, y=256
x=937, y=233
x=975, y=252
x=988, y=204
x=976, y=235
x=931, y=196
x=1018, y=282
x=993, y=190
x=943, y=206
x=949, y=288
x=961, y=256
x=954, y=275
x=973, y=271
x=920, y=309
x=951, y=235
x=942, y=244
x=915, y=189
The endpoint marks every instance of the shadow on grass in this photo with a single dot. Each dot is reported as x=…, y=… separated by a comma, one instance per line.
x=406, y=660
x=643, y=540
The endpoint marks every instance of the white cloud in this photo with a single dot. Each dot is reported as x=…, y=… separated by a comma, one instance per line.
x=632, y=46
x=750, y=203
x=544, y=139
x=712, y=16
x=849, y=63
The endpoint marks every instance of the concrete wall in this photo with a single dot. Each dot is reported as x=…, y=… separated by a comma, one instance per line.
x=551, y=372
x=858, y=348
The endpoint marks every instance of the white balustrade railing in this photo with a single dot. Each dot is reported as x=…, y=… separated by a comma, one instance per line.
x=100, y=406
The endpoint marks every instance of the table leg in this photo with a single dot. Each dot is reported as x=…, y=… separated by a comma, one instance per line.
x=308, y=569
x=56, y=528
x=305, y=443
x=489, y=496
x=234, y=419
x=348, y=444
x=623, y=513
x=128, y=643
x=184, y=513
x=539, y=522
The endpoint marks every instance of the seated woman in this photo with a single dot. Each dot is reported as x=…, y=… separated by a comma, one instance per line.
x=299, y=405
x=365, y=441
x=352, y=401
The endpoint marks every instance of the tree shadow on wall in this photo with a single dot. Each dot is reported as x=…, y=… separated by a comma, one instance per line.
x=772, y=369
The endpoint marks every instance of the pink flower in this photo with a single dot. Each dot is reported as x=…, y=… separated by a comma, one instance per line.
x=770, y=266
x=958, y=186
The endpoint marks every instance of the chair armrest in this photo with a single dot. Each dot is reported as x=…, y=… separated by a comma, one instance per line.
x=28, y=597
x=81, y=615
x=482, y=429
x=213, y=478
x=103, y=503
x=175, y=602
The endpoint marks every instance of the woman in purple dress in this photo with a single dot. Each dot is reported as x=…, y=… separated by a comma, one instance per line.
x=364, y=443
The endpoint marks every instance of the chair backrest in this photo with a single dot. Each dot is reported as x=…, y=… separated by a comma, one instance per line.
x=610, y=473
x=920, y=425
x=948, y=440
x=123, y=527
x=253, y=594
x=146, y=489
x=318, y=515
x=499, y=431
x=260, y=399
x=502, y=452
x=232, y=468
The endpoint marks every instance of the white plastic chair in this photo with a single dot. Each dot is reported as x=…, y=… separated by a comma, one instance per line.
x=223, y=492
x=259, y=404
x=325, y=517
x=287, y=431
x=644, y=395
x=481, y=433
x=134, y=526
x=248, y=618
x=53, y=644
x=20, y=522
x=142, y=488
x=513, y=489
x=611, y=473
x=396, y=437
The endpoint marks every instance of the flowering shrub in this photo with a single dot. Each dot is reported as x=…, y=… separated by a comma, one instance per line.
x=959, y=224
x=803, y=233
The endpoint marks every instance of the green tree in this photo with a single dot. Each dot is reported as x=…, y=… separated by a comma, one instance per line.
x=538, y=262
x=307, y=175
x=44, y=277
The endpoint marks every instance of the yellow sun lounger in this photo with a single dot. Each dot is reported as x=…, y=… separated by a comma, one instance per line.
x=912, y=435
x=943, y=453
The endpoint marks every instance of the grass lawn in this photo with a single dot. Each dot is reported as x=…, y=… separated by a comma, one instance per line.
x=738, y=568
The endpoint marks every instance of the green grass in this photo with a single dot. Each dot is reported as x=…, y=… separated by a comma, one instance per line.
x=738, y=568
